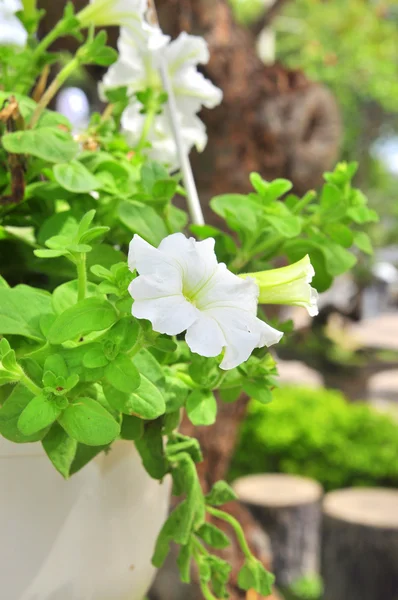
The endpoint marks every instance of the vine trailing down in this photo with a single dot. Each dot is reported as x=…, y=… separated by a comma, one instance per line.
x=90, y=347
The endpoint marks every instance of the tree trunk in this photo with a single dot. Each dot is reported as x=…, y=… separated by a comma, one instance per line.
x=289, y=509
x=360, y=545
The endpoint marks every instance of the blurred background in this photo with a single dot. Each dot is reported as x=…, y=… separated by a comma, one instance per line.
x=306, y=83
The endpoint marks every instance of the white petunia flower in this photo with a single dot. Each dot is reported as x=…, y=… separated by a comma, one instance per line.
x=182, y=287
x=163, y=148
x=288, y=285
x=138, y=68
x=128, y=14
x=12, y=32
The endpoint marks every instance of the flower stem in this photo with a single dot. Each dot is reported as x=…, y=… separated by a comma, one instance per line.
x=29, y=384
x=48, y=40
x=53, y=89
x=149, y=118
x=194, y=206
x=219, y=514
x=82, y=277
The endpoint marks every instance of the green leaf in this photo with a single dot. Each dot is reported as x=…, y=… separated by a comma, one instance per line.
x=48, y=143
x=258, y=389
x=95, y=357
x=152, y=172
x=338, y=259
x=240, y=213
x=39, y=414
x=177, y=528
x=123, y=375
x=363, y=242
x=132, y=428
x=66, y=295
x=87, y=422
x=332, y=205
x=91, y=314
x=288, y=225
x=144, y=220
x=341, y=234
x=213, y=536
x=253, y=576
x=57, y=365
x=60, y=449
x=201, y=407
x=21, y=309
x=10, y=413
x=75, y=177
x=84, y=455
x=362, y=215
x=278, y=188
x=150, y=447
x=146, y=402
x=147, y=365
x=220, y=494
x=184, y=563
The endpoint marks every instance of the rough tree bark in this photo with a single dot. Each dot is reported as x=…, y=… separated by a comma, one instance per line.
x=360, y=545
x=272, y=120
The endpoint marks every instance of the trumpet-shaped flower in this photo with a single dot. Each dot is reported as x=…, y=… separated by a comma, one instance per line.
x=12, y=32
x=181, y=287
x=288, y=285
x=138, y=68
x=103, y=13
x=162, y=145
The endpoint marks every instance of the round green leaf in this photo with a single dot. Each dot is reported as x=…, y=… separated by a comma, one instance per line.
x=75, y=177
x=92, y=314
x=88, y=422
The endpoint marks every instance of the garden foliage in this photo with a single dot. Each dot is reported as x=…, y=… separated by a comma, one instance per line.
x=318, y=434
x=77, y=370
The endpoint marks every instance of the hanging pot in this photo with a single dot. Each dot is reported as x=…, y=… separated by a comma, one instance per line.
x=89, y=538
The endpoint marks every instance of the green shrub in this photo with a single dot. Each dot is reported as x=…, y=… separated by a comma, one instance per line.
x=318, y=434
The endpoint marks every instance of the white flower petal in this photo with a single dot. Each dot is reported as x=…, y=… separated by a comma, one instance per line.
x=226, y=290
x=243, y=332
x=12, y=32
x=126, y=13
x=148, y=260
x=205, y=337
x=170, y=314
x=11, y=6
x=163, y=148
x=193, y=90
x=150, y=287
x=186, y=50
x=197, y=260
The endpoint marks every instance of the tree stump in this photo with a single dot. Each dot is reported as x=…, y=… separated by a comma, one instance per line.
x=360, y=545
x=289, y=509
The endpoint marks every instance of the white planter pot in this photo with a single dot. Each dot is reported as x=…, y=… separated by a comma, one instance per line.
x=89, y=538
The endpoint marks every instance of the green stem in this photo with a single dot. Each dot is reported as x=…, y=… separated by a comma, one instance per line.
x=219, y=514
x=82, y=277
x=29, y=384
x=53, y=89
x=149, y=119
x=49, y=39
x=198, y=551
x=29, y=7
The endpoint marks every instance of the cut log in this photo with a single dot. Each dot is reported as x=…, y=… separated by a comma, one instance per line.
x=289, y=509
x=360, y=545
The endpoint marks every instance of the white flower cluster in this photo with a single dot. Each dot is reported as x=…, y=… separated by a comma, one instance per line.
x=12, y=32
x=138, y=69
